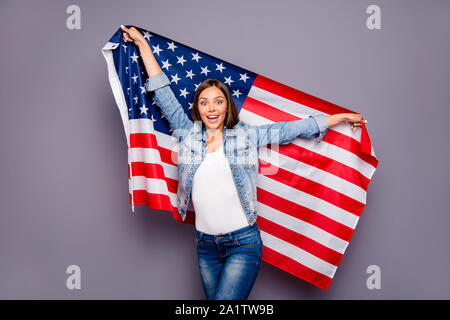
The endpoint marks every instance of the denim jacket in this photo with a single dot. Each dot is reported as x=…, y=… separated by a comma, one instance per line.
x=240, y=145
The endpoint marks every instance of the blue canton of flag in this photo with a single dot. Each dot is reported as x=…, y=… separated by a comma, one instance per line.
x=185, y=67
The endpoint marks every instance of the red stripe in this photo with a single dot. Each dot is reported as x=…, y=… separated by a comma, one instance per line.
x=333, y=137
x=300, y=241
x=161, y=202
x=155, y=171
x=148, y=140
x=313, y=188
x=295, y=268
x=302, y=213
x=366, y=147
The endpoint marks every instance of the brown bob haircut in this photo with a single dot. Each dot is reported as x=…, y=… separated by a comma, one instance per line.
x=232, y=116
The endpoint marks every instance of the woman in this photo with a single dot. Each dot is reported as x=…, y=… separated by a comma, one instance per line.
x=218, y=166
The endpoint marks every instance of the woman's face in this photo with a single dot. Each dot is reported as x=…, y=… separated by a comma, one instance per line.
x=212, y=106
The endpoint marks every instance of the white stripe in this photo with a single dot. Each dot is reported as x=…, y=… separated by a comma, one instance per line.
x=298, y=109
x=116, y=87
x=141, y=125
x=323, y=148
x=166, y=141
x=120, y=101
x=155, y=186
x=309, y=201
x=312, y=173
x=297, y=254
x=146, y=126
x=301, y=227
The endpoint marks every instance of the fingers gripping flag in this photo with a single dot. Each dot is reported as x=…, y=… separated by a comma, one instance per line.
x=307, y=211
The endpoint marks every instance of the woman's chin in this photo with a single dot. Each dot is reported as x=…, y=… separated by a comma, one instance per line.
x=214, y=125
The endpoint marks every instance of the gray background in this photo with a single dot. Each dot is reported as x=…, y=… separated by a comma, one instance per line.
x=64, y=190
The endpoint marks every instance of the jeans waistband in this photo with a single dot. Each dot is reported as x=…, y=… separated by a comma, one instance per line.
x=228, y=235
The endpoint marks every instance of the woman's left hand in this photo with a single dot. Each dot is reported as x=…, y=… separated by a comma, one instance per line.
x=355, y=120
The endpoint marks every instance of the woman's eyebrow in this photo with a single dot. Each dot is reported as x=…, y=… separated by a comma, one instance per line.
x=214, y=98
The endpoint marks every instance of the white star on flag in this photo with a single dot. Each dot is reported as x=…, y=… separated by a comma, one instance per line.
x=244, y=77
x=184, y=92
x=143, y=109
x=181, y=60
x=220, y=67
x=166, y=64
x=190, y=74
x=157, y=50
x=134, y=77
x=171, y=46
x=147, y=35
x=228, y=80
x=134, y=57
x=196, y=57
x=204, y=70
x=236, y=93
x=175, y=78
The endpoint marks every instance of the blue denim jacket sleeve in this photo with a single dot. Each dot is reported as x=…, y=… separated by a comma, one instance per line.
x=284, y=132
x=170, y=106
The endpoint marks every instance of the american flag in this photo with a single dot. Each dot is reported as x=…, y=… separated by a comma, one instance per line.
x=307, y=211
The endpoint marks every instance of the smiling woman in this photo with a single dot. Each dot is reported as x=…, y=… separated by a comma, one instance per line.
x=211, y=96
x=214, y=106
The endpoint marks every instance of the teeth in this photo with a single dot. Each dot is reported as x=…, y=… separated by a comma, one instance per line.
x=212, y=117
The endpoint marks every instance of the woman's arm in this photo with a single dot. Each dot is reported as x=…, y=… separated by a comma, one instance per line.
x=355, y=119
x=160, y=85
x=284, y=132
x=151, y=65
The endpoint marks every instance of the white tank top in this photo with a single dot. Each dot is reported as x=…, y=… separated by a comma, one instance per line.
x=217, y=206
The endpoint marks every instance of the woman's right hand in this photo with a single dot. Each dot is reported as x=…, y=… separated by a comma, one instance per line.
x=133, y=35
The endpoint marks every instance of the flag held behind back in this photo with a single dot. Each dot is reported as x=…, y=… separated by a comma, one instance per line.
x=307, y=212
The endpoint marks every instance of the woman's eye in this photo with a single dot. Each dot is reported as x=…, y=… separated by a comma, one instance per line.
x=219, y=102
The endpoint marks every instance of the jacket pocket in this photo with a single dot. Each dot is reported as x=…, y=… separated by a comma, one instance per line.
x=247, y=157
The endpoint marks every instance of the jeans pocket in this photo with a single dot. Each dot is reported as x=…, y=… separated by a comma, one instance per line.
x=198, y=241
x=248, y=240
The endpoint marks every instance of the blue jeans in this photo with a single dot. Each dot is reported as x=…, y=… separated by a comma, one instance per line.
x=229, y=262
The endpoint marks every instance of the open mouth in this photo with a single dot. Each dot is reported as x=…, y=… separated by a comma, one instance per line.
x=212, y=119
